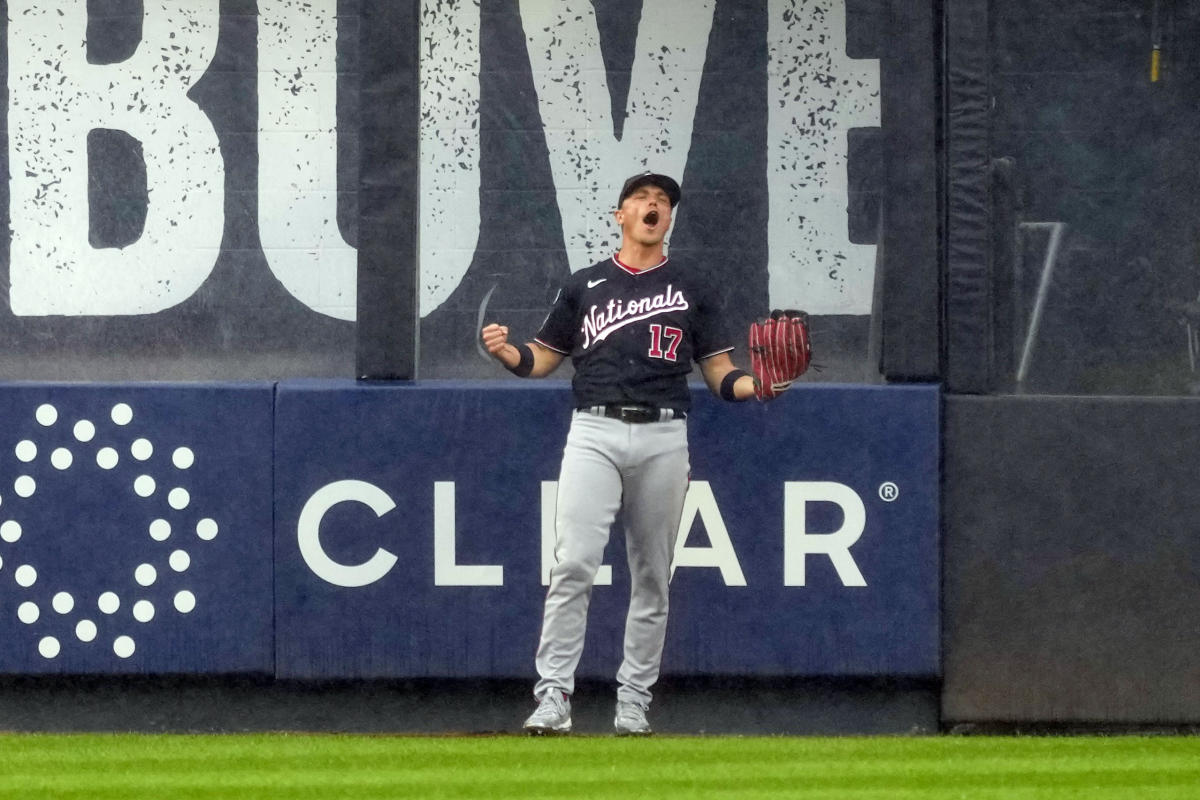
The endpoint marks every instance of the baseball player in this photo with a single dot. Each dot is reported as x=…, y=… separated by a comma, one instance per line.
x=632, y=324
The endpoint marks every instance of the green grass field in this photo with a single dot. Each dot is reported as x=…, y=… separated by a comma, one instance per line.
x=360, y=767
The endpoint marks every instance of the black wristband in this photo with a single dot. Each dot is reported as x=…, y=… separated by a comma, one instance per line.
x=727, y=385
x=525, y=365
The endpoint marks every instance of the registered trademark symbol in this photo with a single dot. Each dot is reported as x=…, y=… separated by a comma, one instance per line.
x=888, y=491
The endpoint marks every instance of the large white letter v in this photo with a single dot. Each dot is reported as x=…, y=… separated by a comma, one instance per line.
x=588, y=162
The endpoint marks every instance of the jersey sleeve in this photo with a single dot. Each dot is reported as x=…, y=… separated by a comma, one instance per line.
x=710, y=334
x=561, y=325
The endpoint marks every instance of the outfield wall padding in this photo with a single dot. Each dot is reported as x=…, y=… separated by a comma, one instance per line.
x=413, y=521
x=341, y=530
x=1071, y=559
x=967, y=287
x=135, y=528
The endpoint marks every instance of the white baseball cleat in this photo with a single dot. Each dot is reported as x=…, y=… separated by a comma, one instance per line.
x=631, y=720
x=553, y=714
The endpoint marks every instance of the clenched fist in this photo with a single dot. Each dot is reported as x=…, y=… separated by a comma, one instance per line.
x=495, y=339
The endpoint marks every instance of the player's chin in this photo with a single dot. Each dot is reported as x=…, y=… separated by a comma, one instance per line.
x=651, y=235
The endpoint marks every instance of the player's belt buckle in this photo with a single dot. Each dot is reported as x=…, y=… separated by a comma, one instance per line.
x=637, y=414
x=640, y=415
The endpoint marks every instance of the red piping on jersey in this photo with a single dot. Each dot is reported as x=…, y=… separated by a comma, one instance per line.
x=634, y=270
x=552, y=347
x=716, y=353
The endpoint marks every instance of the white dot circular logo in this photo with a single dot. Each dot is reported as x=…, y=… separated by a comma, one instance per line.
x=160, y=530
x=25, y=486
x=85, y=630
x=145, y=574
x=84, y=430
x=183, y=458
x=141, y=449
x=109, y=602
x=179, y=498
x=10, y=530
x=26, y=451
x=122, y=414
x=61, y=458
x=143, y=611
x=26, y=576
x=28, y=612
x=179, y=560
x=144, y=485
x=63, y=602
x=124, y=646
x=107, y=458
x=185, y=601
x=206, y=529
x=112, y=457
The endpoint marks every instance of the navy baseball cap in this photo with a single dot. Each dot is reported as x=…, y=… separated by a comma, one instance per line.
x=668, y=185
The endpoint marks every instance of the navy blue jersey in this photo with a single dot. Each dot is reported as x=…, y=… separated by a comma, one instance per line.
x=632, y=335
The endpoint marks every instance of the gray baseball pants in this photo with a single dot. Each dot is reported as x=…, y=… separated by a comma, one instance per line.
x=608, y=465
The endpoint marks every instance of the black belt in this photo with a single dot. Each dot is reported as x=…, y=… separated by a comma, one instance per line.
x=635, y=412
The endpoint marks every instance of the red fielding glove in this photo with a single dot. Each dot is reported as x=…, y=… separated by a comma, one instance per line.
x=780, y=352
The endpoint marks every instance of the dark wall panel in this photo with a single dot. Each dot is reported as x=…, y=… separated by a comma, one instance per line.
x=911, y=299
x=387, y=255
x=968, y=203
x=1103, y=147
x=1071, y=557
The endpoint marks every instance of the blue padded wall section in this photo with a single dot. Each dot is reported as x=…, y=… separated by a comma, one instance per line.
x=412, y=522
x=135, y=528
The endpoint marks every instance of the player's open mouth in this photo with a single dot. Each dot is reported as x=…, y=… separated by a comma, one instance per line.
x=651, y=219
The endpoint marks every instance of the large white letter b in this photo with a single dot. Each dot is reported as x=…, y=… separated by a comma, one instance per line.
x=55, y=98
